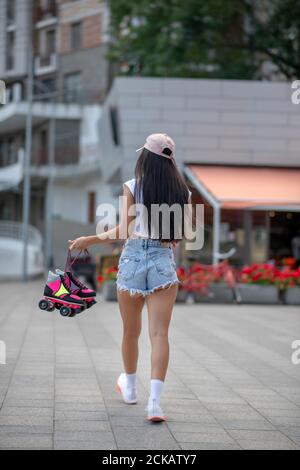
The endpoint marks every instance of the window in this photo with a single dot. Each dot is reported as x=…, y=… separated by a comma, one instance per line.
x=72, y=86
x=2, y=161
x=47, y=8
x=48, y=85
x=10, y=50
x=45, y=87
x=50, y=42
x=11, y=151
x=76, y=36
x=91, y=207
x=10, y=11
x=43, y=157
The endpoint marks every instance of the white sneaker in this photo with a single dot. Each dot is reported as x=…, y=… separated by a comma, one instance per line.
x=154, y=411
x=128, y=394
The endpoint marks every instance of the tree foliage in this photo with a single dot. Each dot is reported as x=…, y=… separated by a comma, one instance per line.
x=242, y=39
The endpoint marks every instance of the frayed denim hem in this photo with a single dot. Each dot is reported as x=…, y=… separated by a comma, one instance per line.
x=133, y=291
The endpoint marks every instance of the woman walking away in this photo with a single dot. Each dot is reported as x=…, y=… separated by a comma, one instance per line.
x=147, y=271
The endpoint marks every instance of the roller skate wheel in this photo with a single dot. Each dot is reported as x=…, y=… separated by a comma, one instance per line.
x=65, y=311
x=43, y=304
x=51, y=307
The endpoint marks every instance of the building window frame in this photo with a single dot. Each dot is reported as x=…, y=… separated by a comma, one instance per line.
x=76, y=36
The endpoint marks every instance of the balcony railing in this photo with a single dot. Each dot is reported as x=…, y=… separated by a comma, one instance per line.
x=14, y=230
x=49, y=11
x=11, y=172
x=64, y=155
x=11, y=158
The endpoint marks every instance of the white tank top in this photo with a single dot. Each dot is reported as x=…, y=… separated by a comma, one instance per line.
x=139, y=227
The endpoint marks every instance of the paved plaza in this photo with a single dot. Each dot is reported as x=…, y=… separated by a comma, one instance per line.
x=231, y=382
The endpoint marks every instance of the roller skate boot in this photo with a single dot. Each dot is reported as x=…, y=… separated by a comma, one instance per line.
x=76, y=287
x=57, y=295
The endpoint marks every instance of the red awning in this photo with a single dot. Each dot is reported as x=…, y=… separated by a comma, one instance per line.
x=238, y=187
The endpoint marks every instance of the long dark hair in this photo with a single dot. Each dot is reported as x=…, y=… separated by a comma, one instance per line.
x=158, y=181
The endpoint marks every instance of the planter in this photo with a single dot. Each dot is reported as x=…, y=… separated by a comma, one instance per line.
x=292, y=296
x=109, y=291
x=181, y=296
x=218, y=293
x=258, y=294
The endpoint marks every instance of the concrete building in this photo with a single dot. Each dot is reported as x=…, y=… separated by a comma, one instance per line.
x=71, y=79
x=221, y=124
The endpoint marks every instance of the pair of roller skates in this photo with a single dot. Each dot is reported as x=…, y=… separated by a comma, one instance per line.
x=66, y=293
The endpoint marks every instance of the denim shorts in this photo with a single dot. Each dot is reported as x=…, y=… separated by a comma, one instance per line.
x=146, y=265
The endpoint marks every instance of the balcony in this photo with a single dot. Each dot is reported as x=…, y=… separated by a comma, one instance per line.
x=45, y=64
x=64, y=155
x=45, y=16
x=12, y=174
x=13, y=115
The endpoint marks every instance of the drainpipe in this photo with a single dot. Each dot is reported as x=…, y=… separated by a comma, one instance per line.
x=50, y=194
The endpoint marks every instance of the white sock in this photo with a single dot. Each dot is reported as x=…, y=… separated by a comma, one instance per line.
x=156, y=389
x=131, y=380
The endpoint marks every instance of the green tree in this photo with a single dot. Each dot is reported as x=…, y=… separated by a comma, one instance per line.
x=242, y=39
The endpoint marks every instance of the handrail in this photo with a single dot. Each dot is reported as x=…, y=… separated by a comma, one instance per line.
x=14, y=230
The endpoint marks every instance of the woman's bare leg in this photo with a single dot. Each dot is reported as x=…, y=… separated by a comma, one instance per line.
x=160, y=306
x=130, y=309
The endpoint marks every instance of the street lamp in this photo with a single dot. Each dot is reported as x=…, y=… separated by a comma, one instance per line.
x=28, y=148
x=27, y=160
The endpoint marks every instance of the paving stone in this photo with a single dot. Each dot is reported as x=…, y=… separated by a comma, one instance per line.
x=15, y=402
x=25, y=421
x=25, y=411
x=247, y=424
x=25, y=441
x=208, y=436
x=30, y=429
x=154, y=434
x=102, y=437
x=209, y=446
x=81, y=415
x=192, y=418
x=88, y=425
x=258, y=445
x=229, y=384
x=81, y=445
x=192, y=427
x=262, y=436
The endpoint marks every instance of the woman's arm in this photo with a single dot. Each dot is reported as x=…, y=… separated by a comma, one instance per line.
x=120, y=232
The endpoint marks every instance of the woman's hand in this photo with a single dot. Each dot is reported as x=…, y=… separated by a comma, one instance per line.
x=80, y=243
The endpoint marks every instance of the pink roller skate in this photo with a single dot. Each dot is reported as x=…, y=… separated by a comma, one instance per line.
x=77, y=288
x=57, y=295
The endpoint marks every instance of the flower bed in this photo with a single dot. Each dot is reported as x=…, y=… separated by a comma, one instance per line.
x=107, y=282
x=259, y=284
x=182, y=292
x=207, y=283
x=289, y=284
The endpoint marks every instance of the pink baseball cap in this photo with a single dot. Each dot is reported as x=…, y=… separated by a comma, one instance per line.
x=157, y=143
